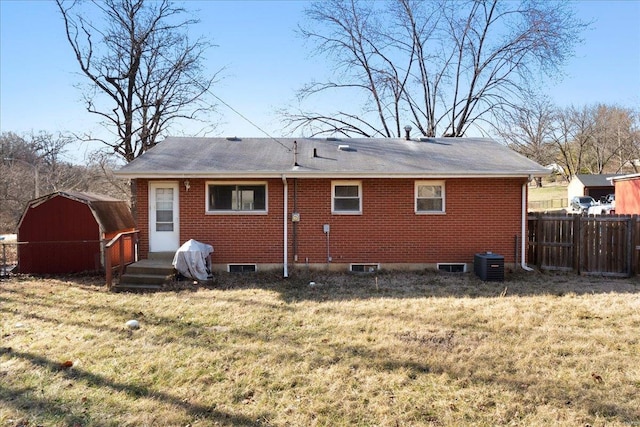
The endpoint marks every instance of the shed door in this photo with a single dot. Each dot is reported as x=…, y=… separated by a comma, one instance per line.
x=164, y=232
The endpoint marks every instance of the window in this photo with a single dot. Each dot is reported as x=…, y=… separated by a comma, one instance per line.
x=430, y=197
x=346, y=197
x=230, y=197
x=164, y=209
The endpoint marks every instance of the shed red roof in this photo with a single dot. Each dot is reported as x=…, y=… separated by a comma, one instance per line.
x=110, y=213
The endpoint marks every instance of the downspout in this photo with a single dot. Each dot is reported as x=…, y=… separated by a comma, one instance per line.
x=294, y=225
x=523, y=240
x=286, y=214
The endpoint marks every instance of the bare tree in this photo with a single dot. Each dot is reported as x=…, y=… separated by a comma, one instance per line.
x=442, y=66
x=100, y=177
x=529, y=129
x=18, y=163
x=34, y=165
x=30, y=166
x=613, y=148
x=573, y=137
x=37, y=155
x=143, y=71
x=630, y=154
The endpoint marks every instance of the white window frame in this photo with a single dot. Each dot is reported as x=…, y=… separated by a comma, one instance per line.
x=350, y=183
x=418, y=184
x=208, y=184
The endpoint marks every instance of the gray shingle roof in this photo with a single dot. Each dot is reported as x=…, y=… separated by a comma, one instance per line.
x=597, y=180
x=364, y=157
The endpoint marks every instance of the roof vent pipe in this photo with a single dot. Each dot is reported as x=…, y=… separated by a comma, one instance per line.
x=407, y=130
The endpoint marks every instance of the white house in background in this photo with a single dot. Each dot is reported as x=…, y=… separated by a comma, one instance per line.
x=596, y=186
x=556, y=168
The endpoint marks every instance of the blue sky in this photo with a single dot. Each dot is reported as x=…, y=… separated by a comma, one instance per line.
x=265, y=63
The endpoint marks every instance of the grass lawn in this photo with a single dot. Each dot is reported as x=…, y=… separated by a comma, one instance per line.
x=387, y=350
x=549, y=191
x=552, y=196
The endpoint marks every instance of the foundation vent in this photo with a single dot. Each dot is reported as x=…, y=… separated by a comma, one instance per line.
x=242, y=268
x=452, y=267
x=364, y=268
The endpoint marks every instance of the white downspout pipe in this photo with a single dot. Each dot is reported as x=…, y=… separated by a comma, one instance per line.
x=286, y=223
x=523, y=239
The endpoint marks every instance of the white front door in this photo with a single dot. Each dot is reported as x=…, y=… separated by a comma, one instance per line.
x=164, y=229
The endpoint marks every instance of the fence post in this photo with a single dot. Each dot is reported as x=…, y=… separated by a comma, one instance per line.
x=122, y=260
x=536, y=250
x=577, y=243
x=629, y=245
x=4, y=261
x=107, y=267
x=633, y=220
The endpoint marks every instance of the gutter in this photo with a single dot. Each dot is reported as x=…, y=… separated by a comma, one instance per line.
x=328, y=174
x=285, y=208
x=523, y=248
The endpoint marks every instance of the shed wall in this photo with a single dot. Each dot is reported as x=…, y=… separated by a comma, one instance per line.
x=628, y=197
x=59, y=235
x=481, y=215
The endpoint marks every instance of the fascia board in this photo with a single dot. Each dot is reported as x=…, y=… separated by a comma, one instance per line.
x=624, y=177
x=324, y=175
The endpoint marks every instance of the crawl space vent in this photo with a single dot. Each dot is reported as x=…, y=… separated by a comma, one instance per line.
x=452, y=267
x=364, y=268
x=242, y=268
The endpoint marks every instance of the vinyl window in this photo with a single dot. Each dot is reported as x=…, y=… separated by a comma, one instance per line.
x=430, y=197
x=346, y=197
x=225, y=197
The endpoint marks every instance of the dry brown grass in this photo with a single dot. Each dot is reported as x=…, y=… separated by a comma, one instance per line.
x=405, y=349
x=548, y=191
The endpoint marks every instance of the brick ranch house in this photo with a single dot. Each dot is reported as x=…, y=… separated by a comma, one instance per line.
x=334, y=204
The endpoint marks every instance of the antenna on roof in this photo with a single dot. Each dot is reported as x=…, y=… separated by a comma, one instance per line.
x=295, y=153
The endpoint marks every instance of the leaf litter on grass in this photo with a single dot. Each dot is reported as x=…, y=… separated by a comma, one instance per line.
x=406, y=349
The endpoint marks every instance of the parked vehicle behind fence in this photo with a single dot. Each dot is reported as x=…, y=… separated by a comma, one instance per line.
x=581, y=204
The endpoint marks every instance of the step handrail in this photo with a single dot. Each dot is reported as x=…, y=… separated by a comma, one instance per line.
x=121, y=241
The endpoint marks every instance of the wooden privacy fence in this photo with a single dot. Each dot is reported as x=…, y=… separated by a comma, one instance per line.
x=600, y=245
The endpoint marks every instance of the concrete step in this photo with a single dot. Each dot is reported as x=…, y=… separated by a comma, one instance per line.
x=136, y=287
x=147, y=266
x=139, y=282
x=147, y=274
x=161, y=256
x=151, y=279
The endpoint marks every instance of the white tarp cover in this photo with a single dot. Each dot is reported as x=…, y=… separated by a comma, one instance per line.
x=191, y=259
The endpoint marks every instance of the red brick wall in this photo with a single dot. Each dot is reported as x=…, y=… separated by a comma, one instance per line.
x=142, y=215
x=236, y=238
x=628, y=197
x=481, y=215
